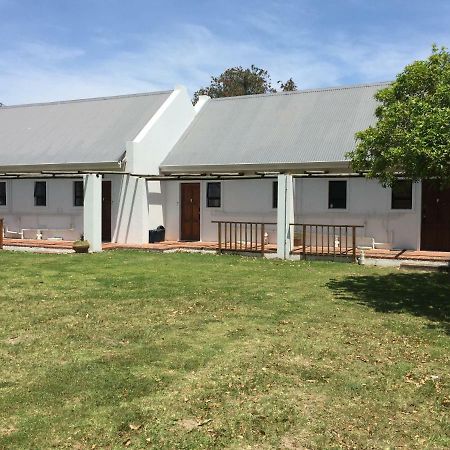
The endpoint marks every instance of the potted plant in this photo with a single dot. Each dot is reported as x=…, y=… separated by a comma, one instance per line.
x=81, y=246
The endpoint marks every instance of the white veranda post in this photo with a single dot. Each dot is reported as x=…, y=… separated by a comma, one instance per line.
x=285, y=215
x=92, y=211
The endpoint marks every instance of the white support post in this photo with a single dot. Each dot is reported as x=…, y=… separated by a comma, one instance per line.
x=92, y=211
x=285, y=216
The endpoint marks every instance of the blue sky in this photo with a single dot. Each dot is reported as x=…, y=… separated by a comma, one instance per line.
x=61, y=49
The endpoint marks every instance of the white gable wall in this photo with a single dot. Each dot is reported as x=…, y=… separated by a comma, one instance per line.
x=140, y=205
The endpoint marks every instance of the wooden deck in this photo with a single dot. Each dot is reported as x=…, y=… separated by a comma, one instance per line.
x=402, y=255
x=378, y=253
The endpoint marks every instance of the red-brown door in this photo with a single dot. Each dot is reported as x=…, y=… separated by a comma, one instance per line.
x=435, y=218
x=106, y=211
x=190, y=212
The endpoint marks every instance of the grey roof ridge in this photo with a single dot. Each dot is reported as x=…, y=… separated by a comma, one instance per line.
x=88, y=99
x=305, y=91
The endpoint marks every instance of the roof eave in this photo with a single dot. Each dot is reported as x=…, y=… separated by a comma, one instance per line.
x=249, y=168
x=33, y=168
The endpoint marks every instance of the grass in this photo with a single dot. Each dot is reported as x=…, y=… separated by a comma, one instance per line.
x=135, y=350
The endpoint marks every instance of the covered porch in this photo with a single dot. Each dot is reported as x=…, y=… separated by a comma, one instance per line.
x=67, y=206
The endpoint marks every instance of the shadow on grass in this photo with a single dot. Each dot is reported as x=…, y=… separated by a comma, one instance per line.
x=420, y=294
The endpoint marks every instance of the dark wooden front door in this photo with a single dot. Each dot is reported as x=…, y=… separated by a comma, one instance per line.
x=106, y=211
x=190, y=211
x=435, y=218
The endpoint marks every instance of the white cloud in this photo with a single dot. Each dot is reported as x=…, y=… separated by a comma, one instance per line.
x=37, y=71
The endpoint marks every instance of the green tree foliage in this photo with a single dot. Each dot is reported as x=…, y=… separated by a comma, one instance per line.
x=412, y=134
x=288, y=86
x=238, y=81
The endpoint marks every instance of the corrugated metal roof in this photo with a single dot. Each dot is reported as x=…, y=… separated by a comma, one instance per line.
x=276, y=129
x=76, y=131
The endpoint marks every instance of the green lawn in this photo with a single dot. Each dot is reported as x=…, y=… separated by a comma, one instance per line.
x=138, y=350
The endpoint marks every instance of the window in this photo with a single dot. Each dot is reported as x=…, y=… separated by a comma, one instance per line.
x=213, y=195
x=337, y=194
x=275, y=194
x=401, y=195
x=40, y=193
x=2, y=193
x=78, y=193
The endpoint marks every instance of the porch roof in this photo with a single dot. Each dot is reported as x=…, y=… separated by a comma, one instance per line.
x=287, y=130
x=85, y=132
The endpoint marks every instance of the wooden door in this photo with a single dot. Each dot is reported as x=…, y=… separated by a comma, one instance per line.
x=190, y=212
x=106, y=211
x=435, y=218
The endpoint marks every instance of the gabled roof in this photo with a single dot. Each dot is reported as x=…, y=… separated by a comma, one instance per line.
x=275, y=130
x=74, y=132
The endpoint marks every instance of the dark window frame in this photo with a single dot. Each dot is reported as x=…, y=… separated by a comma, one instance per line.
x=213, y=198
x=4, y=194
x=40, y=198
x=335, y=199
x=78, y=197
x=275, y=195
x=401, y=197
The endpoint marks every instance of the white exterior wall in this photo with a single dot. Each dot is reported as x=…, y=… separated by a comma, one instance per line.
x=368, y=204
x=242, y=200
x=138, y=206
x=59, y=213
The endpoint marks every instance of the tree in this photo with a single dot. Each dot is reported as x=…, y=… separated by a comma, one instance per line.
x=412, y=133
x=288, y=86
x=238, y=81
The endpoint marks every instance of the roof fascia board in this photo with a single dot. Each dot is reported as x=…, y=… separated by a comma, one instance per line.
x=113, y=166
x=281, y=167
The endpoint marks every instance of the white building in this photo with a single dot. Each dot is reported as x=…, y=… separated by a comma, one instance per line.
x=48, y=150
x=307, y=133
x=276, y=158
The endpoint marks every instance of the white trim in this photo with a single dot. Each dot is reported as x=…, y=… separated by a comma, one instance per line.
x=46, y=194
x=347, y=195
x=272, y=196
x=77, y=207
x=403, y=210
x=6, y=205
x=155, y=118
x=217, y=208
x=202, y=101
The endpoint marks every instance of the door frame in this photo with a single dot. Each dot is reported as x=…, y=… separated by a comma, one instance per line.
x=180, y=184
x=110, y=212
x=422, y=229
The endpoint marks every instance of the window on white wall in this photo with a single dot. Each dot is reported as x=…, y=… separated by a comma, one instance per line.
x=213, y=195
x=401, y=197
x=40, y=193
x=78, y=193
x=275, y=194
x=2, y=193
x=337, y=194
